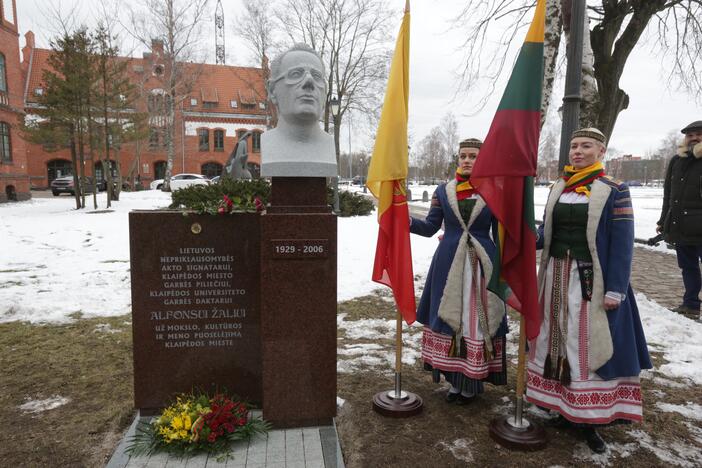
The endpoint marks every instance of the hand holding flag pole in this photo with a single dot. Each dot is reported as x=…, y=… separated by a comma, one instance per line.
x=386, y=180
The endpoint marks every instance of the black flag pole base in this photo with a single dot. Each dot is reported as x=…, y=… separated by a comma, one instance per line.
x=409, y=404
x=524, y=436
x=397, y=403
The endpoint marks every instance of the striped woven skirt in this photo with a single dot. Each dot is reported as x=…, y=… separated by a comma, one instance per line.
x=586, y=398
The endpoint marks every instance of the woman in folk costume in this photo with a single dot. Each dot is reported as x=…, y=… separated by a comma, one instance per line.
x=586, y=360
x=464, y=323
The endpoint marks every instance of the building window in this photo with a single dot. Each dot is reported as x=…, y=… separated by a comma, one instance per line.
x=239, y=134
x=256, y=142
x=159, y=170
x=219, y=140
x=211, y=169
x=193, y=102
x=248, y=106
x=210, y=105
x=3, y=74
x=233, y=104
x=5, y=147
x=58, y=168
x=153, y=137
x=204, y=139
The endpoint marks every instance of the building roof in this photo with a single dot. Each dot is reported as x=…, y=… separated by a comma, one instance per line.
x=217, y=89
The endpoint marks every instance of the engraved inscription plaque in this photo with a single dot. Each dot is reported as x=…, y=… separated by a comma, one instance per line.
x=195, y=305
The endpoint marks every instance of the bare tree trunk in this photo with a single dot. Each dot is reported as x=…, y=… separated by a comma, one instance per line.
x=588, y=88
x=552, y=41
x=170, y=138
x=74, y=161
x=81, y=156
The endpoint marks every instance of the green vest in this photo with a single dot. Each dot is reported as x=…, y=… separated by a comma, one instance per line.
x=466, y=208
x=569, y=231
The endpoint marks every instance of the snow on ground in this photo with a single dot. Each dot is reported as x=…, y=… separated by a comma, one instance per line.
x=37, y=406
x=56, y=261
x=690, y=410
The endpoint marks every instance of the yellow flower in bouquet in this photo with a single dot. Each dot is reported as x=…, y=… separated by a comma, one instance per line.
x=177, y=420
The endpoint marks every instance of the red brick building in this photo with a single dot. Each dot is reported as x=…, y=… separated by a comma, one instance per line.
x=224, y=103
x=14, y=179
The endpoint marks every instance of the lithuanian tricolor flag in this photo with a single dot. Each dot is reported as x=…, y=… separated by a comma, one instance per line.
x=504, y=175
x=386, y=180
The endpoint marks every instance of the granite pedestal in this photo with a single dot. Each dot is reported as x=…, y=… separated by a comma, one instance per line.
x=298, y=304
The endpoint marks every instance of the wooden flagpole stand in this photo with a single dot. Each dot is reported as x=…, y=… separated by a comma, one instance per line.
x=516, y=432
x=397, y=403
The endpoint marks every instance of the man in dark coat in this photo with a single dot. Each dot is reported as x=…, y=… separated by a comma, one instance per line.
x=681, y=216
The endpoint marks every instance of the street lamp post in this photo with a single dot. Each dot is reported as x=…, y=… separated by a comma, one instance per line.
x=335, y=106
x=572, y=97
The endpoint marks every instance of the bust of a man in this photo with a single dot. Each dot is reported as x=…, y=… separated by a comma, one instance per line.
x=297, y=146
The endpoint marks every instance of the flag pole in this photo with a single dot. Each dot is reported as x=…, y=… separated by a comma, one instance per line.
x=386, y=176
x=516, y=432
x=398, y=357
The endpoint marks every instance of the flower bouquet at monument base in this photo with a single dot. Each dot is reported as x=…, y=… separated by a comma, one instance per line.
x=197, y=423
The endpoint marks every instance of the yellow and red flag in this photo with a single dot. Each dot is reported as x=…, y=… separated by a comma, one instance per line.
x=386, y=181
x=504, y=176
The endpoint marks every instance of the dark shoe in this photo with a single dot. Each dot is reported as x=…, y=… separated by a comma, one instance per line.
x=464, y=400
x=594, y=440
x=688, y=312
x=451, y=397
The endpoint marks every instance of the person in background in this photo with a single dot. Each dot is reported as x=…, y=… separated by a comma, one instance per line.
x=586, y=360
x=681, y=215
x=464, y=324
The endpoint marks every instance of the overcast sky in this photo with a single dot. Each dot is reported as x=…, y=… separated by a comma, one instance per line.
x=434, y=57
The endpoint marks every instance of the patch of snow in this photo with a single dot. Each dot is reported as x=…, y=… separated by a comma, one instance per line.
x=105, y=328
x=678, y=338
x=674, y=453
x=38, y=406
x=695, y=431
x=460, y=449
x=690, y=410
x=669, y=383
x=582, y=452
x=340, y=402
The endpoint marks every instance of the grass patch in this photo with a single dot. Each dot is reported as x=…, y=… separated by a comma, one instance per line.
x=91, y=368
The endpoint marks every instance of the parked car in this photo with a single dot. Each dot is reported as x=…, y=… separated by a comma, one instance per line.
x=65, y=185
x=180, y=181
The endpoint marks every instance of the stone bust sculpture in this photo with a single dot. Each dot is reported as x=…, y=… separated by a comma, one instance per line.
x=297, y=146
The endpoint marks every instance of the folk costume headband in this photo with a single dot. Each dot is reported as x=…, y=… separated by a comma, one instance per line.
x=590, y=132
x=470, y=143
x=580, y=180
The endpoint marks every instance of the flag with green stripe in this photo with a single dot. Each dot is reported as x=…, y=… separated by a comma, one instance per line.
x=504, y=177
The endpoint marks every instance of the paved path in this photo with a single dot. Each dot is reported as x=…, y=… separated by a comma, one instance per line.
x=308, y=447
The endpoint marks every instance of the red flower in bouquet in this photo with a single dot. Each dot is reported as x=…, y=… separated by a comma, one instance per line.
x=259, y=204
x=224, y=416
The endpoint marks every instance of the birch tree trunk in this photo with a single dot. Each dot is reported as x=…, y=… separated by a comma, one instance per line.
x=552, y=42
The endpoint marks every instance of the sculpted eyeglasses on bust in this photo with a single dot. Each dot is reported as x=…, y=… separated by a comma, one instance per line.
x=295, y=75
